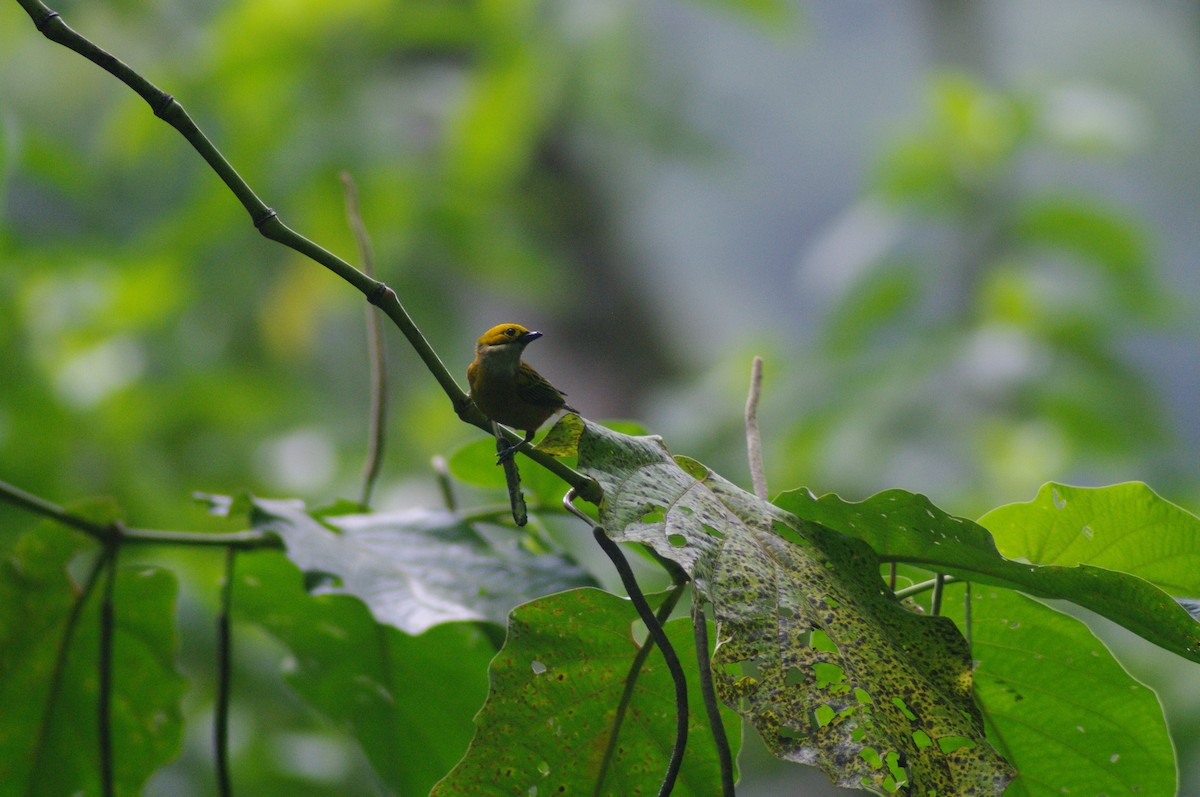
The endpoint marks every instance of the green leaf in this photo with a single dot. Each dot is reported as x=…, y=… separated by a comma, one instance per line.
x=475, y=464
x=550, y=710
x=1059, y=706
x=1100, y=236
x=418, y=568
x=48, y=736
x=813, y=650
x=1126, y=527
x=563, y=438
x=407, y=700
x=875, y=304
x=906, y=527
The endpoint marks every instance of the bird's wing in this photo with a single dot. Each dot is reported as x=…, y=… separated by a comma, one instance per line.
x=533, y=387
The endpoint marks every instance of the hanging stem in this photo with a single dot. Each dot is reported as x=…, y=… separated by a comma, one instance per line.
x=376, y=351
x=512, y=479
x=967, y=614
x=724, y=755
x=104, y=703
x=224, y=677
x=613, y=551
x=660, y=637
x=441, y=472
x=935, y=601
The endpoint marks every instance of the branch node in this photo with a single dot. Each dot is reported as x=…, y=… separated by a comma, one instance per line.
x=262, y=218
x=162, y=105
x=378, y=293
x=44, y=20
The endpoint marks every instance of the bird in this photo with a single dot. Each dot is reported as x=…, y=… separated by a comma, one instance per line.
x=506, y=389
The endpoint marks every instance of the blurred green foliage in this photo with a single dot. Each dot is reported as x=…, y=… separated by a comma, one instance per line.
x=152, y=344
x=979, y=339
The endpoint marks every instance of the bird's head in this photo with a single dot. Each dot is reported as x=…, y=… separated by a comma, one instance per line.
x=505, y=337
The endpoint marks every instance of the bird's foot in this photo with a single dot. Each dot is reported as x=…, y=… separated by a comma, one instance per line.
x=507, y=454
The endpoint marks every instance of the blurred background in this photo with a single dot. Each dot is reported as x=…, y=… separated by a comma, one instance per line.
x=962, y=235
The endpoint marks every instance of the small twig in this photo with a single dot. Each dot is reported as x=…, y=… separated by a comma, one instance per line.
x=935, y=601
x=512, y=478
x=441, y=472
x=104, y=702
x=753, y=439
x=720, y=740
x=613, y=551
x=102, y=532
x=40, y=506
x=967, y=615
x=376, y=351
x=224, y=677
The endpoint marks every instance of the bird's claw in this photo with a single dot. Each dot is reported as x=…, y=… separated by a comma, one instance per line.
x=507, y=454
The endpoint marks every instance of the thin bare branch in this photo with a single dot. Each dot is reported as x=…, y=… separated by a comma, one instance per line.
x=267, y=222
x=103, y=532
x=376, y=349
x=512, y=478
x=224, y=677
x=704, y=664
x=441, y=472
x=104, y=699
x=753, y=438
x=613, y=552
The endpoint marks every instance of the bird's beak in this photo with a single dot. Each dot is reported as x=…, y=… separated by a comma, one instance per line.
x=529, y=337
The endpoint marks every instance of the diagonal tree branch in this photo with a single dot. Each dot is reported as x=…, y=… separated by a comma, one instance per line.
x=267, y=222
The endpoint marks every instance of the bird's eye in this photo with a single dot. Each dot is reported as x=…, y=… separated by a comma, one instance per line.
x=510, y=331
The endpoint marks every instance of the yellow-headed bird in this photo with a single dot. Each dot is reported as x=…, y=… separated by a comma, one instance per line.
x=506, y=389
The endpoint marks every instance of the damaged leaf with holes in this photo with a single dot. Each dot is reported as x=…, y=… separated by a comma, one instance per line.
x=811, y=648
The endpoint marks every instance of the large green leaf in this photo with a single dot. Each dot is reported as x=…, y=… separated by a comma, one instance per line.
x=1058, y=705
x=812, y=650
x=906, y=527
x=418, y=568
x=551, y=707
x=408, y=700
x=48, y=707
x=1126, y=527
